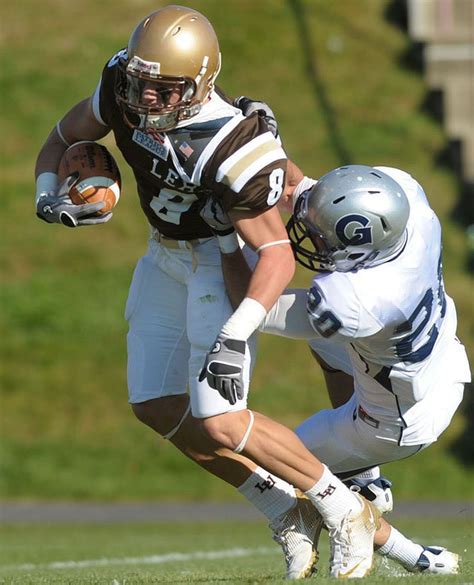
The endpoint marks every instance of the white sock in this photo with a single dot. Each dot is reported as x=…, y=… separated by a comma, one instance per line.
x=401, y=549
x=268, y=493
x=332, y=498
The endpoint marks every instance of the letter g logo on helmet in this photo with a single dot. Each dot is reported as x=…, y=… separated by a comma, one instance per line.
x=357, y=234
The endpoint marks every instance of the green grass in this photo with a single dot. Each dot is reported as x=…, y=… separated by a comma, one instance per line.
x=243, y=553
x=340, y=94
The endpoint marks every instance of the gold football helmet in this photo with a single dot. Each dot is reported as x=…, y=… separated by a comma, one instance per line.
x=172, y=61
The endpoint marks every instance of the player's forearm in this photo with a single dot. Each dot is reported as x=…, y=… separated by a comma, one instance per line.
x=265, y=233
x=237, y=275
x=50, y=154
x=287, y=317
x=272, y=273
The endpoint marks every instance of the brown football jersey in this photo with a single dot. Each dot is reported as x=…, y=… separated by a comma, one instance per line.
x=218, y=152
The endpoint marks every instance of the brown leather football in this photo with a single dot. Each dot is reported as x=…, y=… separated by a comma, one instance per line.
x=98, y=176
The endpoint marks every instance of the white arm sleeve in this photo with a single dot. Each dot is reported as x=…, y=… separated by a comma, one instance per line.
x=288, y=317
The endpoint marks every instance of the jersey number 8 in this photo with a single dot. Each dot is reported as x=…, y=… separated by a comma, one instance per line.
x=276, y=180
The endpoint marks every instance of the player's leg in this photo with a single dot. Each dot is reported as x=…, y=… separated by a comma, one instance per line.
x=414, y=557
x=351, y=521
x=335, y=363
x=339, y=384
x=291, y=517
x=157, y=345
x=158, y=349
x=294, y=521
x=277, y=449
x=158, y=357
x=356, y=445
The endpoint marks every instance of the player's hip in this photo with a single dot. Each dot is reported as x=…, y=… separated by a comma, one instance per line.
x=348, y=439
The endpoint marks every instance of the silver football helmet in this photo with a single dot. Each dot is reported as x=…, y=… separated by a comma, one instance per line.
x=354, y=217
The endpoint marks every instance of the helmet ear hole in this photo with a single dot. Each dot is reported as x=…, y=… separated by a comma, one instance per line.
x=355, y=256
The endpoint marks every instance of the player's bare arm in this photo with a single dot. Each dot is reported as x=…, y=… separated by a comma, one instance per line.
x=266, y=233
x=78, y=124
x=237, y=272
x=53, y=204
x=294, y=176
x=257, y=231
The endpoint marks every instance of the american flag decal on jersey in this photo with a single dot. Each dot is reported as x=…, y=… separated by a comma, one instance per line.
x=185, y=149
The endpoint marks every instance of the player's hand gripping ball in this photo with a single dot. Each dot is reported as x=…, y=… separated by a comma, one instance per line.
x=94, y=175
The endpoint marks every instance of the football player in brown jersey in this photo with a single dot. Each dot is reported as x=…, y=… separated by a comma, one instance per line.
x=184, y=142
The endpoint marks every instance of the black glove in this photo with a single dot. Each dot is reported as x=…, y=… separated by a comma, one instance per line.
x=249, y=106
x=224, y=368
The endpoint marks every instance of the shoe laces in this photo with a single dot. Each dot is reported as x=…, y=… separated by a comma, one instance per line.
x=340, y=538
x=281, y=537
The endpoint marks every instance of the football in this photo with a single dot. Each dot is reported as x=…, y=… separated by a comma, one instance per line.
x=98, y=176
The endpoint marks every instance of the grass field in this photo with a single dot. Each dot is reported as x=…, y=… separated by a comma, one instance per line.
x=139, y=554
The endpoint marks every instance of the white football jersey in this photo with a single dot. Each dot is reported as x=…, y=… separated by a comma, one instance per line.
x=398, y=323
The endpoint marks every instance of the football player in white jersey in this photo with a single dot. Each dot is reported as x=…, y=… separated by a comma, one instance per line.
x=377, y=311
x=379, y=293
x=183, y=141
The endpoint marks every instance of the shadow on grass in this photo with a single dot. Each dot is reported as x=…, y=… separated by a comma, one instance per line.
x=317, y=83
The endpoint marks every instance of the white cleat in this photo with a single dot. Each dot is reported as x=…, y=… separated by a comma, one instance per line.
x=436, y=560
x=352, y=542
x=298, y=532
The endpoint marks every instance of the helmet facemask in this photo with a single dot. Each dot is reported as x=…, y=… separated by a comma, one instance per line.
x=310, y=247
x=150, y=101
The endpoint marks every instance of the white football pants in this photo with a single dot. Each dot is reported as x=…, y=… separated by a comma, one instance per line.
x=347, y=440
x=176, y=307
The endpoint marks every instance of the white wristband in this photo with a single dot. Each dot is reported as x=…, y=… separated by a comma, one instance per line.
x=46, y=183
x=229, y=243
x=245, y=320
